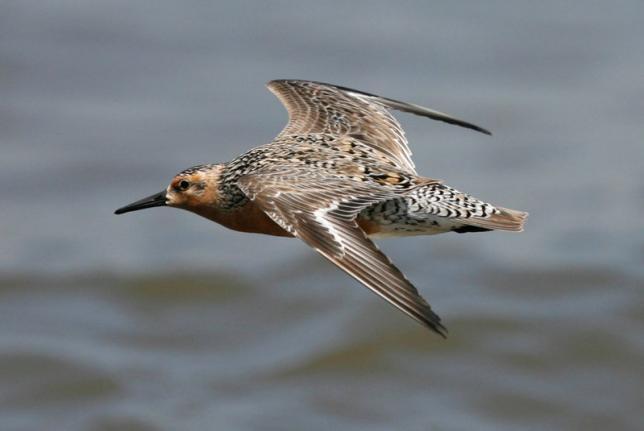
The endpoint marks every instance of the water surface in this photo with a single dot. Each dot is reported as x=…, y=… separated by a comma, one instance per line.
x=161, y=320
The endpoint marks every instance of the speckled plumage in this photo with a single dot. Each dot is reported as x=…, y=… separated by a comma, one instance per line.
x=339, y=173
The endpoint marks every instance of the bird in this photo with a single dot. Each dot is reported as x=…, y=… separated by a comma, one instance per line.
x=337, y=176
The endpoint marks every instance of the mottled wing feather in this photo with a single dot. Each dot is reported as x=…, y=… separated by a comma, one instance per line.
x=320, y=108
x=315, y=107
x=322, y=214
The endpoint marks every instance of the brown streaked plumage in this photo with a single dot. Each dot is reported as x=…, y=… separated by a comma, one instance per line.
x=338, y=174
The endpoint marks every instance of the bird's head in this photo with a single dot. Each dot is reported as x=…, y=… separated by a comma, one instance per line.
x=191, y=189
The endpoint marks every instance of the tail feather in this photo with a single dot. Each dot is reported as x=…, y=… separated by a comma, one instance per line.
x=505, y=219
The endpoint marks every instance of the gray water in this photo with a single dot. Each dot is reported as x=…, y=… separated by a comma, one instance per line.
x=161, y=320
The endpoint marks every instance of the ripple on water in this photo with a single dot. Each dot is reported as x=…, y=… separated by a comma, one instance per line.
x=30, y=380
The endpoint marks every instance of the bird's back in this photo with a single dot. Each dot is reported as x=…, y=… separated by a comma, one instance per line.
x=419, y=205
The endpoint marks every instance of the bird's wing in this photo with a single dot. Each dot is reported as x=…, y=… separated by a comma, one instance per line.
x=322, y=213
x=315, y=107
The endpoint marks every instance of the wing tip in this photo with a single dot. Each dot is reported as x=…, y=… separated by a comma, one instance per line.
x=440, y=330
x=433, y=322
x=481, y=129
x=470, y=126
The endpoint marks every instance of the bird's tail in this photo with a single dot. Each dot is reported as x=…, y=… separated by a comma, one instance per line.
x=505, y=219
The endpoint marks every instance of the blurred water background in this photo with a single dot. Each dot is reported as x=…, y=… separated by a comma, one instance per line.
x=161, y=320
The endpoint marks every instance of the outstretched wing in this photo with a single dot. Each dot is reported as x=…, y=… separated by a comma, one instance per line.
x=315, y=107
x=322, y=213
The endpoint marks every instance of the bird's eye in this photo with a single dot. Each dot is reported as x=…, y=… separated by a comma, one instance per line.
x=183, y=185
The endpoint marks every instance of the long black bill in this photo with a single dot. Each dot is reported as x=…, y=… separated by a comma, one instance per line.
x=157, y=200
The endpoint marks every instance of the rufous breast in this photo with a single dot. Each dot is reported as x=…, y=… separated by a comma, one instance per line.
x=247, y=218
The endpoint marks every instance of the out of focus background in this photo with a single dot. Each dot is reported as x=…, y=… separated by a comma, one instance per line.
x=160, y=320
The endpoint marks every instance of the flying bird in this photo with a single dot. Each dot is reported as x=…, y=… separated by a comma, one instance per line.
x=339, y=174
